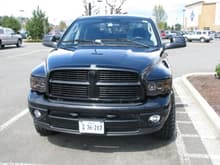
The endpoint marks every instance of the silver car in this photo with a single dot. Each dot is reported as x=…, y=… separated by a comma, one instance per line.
x=9, y=37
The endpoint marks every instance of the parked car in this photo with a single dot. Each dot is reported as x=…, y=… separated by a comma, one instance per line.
x=202, y=36
x=23, y=33
x=166, y=34
x=163, y=34
x=108, y=75
x=9, y=37
x=217, y=35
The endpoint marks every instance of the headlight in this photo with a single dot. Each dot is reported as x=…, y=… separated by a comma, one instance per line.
x=38, y=84
x=161, y=87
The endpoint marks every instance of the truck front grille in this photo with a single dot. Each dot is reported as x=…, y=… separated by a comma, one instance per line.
x=116, y=86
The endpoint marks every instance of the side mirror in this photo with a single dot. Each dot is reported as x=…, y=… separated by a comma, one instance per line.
x=175, y=42
x=50, y=41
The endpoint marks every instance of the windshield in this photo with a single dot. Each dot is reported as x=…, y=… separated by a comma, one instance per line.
x=110, y=31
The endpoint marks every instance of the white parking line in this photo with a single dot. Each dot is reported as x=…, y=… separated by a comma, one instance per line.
x=15, y=163
x=13, y=119
x=25, y=54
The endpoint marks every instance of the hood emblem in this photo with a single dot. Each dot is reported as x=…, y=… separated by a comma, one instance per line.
x=96, y=53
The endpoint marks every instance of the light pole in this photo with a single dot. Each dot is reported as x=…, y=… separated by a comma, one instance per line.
x=100, y=5
x=183, y=28
x=21, y=18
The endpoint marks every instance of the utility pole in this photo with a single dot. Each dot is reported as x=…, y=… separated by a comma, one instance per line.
x=90, y=8
x=183, y=28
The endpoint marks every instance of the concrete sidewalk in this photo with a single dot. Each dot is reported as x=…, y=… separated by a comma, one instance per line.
x=200, y=137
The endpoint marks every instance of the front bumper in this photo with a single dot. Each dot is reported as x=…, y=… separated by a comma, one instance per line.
x=119, y=119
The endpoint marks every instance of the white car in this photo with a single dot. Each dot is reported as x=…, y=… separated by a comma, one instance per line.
x=9, y=37
x=202, y=36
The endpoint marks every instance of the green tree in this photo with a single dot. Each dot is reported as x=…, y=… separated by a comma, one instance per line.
x=160, y=16
x=38, y=25
x=62, y=25
x=10, y=22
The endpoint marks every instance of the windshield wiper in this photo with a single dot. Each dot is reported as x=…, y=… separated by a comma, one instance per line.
x=127, y=40
x=75, y=43
x=83, y=41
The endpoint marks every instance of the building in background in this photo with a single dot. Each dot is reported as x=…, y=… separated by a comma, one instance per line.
x=202, y=16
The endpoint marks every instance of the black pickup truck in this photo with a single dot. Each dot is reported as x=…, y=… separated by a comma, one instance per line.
x=107, y=75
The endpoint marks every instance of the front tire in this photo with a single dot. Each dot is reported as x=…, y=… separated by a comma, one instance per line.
x=19, y=42
x=43, y=131
x=169, y=129
x=1, y=46
x=188, y=40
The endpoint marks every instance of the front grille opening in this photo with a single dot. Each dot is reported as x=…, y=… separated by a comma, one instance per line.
x=68, y=91
x=70, y=75
x=99, y=86
x=125, y=92
x=117, y=76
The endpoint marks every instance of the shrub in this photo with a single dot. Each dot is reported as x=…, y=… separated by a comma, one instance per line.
x=217, y=70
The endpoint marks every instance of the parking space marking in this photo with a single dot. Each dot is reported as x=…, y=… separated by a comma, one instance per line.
x=183, y=122
x=25, y=54
x=15, y=163
x=181, y=149
x=13, y=119
x=206, y=156
x=181, y=112
x=190, y=135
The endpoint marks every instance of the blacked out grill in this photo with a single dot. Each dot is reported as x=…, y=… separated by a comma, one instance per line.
x=70, y=75
x=125, y=92
x=117, y=76
x=69, y=91
x=95, y=85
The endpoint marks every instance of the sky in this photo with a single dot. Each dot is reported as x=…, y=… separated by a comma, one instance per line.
x=68, y=10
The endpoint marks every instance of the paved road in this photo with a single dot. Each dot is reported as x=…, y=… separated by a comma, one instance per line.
x=20, y=143
x=196, y=57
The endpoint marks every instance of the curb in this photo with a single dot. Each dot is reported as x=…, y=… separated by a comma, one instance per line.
x=209, y=111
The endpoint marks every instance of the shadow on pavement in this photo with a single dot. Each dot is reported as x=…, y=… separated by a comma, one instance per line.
x=11, y=47
x=108, y=144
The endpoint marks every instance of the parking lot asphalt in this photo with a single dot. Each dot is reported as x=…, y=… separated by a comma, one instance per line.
x=19, y=143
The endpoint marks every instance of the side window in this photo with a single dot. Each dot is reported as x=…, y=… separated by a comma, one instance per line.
x=152, y=35
x=1, y=31
x=11, y=31
x=73, y=34
x=204, y=33
x=7, y=31
x=198, y=33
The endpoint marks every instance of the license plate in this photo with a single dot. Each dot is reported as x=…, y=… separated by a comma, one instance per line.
x=91, y=127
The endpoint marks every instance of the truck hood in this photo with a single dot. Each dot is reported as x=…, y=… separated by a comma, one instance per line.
x=109, y=58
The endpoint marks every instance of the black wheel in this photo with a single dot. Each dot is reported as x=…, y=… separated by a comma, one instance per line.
x=43, y=131
x=1, y=46
x=188, y=40
x=169, y=129
x=19, y=42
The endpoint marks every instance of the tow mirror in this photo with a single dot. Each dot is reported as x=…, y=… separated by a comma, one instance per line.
x=175, y=42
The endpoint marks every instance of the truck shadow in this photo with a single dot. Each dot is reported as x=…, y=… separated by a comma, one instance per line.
x=108, y=144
